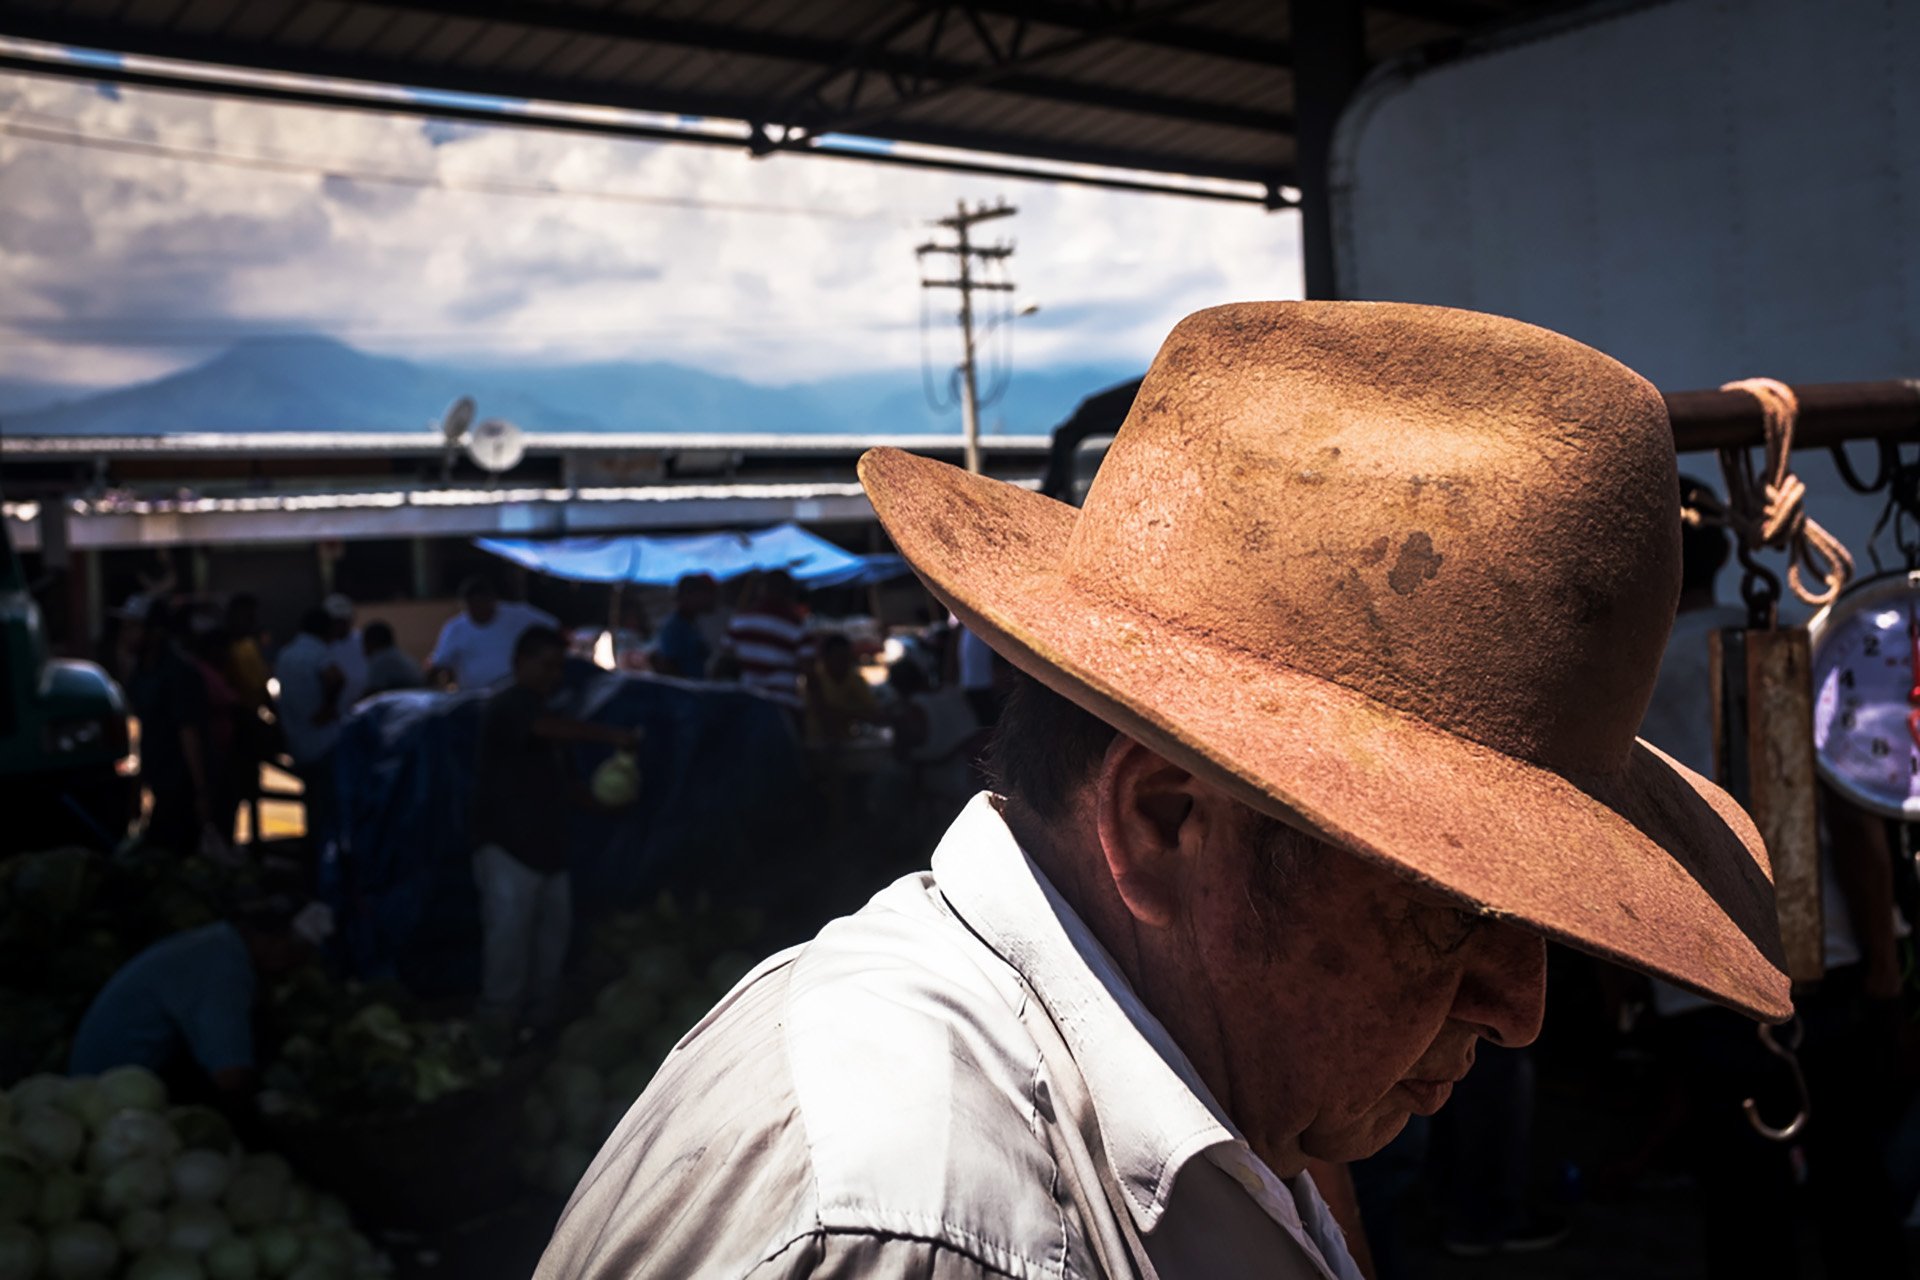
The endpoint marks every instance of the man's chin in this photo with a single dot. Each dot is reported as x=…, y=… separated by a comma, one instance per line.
x=1379, y=1127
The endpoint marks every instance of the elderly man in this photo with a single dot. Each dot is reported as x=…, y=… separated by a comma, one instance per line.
x=1326, y=725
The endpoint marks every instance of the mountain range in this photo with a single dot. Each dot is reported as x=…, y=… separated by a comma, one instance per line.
x=317, y=383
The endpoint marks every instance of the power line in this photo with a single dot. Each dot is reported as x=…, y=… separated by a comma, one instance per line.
x=19, y=126
x=966, y=256
x=167, y=333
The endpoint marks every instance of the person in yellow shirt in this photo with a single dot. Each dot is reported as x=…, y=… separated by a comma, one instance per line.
x=838, y=696
x=256, y=737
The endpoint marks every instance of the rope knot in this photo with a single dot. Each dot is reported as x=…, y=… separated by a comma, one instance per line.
x=1767, y=508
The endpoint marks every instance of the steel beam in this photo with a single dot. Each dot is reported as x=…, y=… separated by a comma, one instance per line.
x=1329, y=58
x=345, y=98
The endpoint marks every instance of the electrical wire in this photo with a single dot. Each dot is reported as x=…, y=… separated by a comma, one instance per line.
x=934, y=400
x=19, y=125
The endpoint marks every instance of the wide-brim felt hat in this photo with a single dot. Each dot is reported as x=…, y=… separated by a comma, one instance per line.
x=1401, y=576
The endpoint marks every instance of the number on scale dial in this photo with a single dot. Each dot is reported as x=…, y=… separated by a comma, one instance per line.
x=1866, y=711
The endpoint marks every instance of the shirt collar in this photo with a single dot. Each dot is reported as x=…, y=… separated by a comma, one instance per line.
x=1155, y=1113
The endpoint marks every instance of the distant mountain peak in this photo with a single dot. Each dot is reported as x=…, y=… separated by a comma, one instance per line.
x=317, y=382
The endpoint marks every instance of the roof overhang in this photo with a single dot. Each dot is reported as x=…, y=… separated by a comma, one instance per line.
x=1087, y=90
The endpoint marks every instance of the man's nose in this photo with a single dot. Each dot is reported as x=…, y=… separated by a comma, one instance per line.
x=1504, y=988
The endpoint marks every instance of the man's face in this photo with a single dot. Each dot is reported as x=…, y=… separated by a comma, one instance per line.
x=481, y=606
x=1353, y=1002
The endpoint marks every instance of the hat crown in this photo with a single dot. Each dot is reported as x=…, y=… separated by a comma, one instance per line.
x=1467, y=518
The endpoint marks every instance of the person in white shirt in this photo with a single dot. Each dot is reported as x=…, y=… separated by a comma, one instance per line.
x=475, y=648
x=346, y=648
x=1319, y=736
x=310, y=705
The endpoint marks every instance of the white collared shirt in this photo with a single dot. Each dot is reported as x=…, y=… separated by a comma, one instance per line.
x=874, y=1102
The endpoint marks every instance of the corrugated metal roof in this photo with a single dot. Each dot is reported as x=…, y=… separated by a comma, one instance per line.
x=1196, y=87
x=263, y=444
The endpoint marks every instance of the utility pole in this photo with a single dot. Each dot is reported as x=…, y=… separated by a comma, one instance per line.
x=965, y=253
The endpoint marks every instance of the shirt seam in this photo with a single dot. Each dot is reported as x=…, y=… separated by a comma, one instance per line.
x=823, y=1232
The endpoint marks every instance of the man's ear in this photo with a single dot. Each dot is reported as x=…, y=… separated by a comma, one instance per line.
x=1152, y=818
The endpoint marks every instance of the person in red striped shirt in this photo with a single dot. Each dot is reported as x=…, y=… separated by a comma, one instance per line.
x=770, y=641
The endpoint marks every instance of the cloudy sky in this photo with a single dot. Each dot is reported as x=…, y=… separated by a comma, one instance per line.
x=121, y=263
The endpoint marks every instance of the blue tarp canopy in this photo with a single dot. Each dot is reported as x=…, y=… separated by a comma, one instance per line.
x=721, y=773
x=661, y=562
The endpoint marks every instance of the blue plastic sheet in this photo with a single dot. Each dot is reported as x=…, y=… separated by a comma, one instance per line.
x=720, y=768
x=663, y=561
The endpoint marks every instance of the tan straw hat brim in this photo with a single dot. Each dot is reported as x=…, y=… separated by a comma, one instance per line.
x=1652, y=867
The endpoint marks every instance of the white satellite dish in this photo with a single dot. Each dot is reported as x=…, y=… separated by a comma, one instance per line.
x=496, y=445
x=459, y=416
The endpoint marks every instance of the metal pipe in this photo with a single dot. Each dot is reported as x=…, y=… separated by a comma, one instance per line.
x=1830, y=413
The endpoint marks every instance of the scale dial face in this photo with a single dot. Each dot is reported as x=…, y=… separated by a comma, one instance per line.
x=1866, y=709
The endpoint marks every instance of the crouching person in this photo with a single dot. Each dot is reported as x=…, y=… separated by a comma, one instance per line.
x=522, y=788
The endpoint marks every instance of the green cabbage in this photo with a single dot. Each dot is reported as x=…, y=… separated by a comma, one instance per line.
x=81, y=1251
x=196, y=1228
x=54, y=1136
x=19, y=1190
x=142, y=1230
x=140, y=1183
x=234, y=1258
x=200, y=1175
x=201, y=1129
x=44, y=1089
x=279, y=1249
x=132, y=1088
x=129, y=1135
x=255, y=1197
x=167, y=1264
x=63, y=1198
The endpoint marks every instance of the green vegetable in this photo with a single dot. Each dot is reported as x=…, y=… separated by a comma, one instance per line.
x=279, y=1249
x=298, y=1206
x=131, y=1134
x=167, y=1264
x=128, y=1088
x=140, y=1183
x=54, y=1136
x=63, y=1197
x=200, y=1176
x=255, y=1197
x=20, y=1252
x=19, y=1190
x=44, y=1089
x=234, y=1258
x=201, y=1129
x=142, y=1230
x=81, y=1251
x=196, y=1228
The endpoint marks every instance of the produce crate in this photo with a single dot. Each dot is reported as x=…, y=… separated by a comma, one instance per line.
x=429, y=1168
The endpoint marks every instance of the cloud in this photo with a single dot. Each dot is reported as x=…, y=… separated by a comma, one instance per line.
x=791, y=268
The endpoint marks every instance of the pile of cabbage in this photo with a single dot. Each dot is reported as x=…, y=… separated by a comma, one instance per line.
x=354, y=1049
x=100, y=1178
x=663, y=969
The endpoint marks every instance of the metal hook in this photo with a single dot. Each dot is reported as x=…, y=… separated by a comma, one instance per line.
x=1786, y=1055
x=1760, y=588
